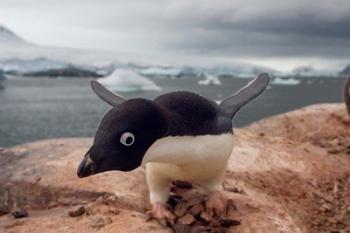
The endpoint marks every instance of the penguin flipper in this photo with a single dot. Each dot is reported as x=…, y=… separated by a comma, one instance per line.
x=232, y=104
x=105, y=94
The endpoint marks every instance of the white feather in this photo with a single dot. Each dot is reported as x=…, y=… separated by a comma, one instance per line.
x=200, y=159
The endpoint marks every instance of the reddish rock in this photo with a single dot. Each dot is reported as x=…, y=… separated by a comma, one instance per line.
x=275, y=170
x=187, y=219
x=76, y=211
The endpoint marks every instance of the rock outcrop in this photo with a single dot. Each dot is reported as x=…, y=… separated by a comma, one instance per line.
x=288, y=173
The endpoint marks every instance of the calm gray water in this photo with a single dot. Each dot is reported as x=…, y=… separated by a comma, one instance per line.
x=38, y=108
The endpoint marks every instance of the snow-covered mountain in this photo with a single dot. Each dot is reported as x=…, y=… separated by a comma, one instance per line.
x=8, y=38
x=21, y=57
x=309, y=71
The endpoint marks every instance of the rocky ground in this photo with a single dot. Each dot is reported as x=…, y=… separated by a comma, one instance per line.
x=289, y=173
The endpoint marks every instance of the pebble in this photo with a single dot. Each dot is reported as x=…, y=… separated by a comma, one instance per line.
x=99, y=222
x=187, y=219
x=20, y=213
x=180, y=228
x=196, y=209
x=191, y=215
x=229, y=222
x=77, y=211
x=326, y=207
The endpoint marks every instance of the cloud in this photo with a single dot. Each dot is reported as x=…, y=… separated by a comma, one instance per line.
x=223, y=28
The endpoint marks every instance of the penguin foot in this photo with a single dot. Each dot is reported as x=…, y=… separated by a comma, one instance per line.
x=161, y=213
x=216, y=203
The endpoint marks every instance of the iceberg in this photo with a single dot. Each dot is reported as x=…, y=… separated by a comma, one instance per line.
x=285, y=81
x=210, y=80
x=126, y=80
x=161, y=71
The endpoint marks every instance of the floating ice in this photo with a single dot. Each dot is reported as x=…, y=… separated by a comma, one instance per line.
x=125, y=80
x=210, y=80
x=285, y=81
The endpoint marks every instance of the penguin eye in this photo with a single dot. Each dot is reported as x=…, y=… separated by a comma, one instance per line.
x=127, y=139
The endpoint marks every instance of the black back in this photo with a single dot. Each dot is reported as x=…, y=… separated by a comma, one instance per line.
x=192, y=114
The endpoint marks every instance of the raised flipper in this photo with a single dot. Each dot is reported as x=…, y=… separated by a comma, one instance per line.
x=232, y=104
x=106, y=95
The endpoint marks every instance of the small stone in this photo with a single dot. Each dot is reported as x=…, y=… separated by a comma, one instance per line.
x=235, y=190
x=187, y=219
x=230, y=206
x=77, y=211
x=193, y=201
x=180, y=228
x=114, y=211
x=20, y=213
x=174, y=200
x=201, y=229
x=196, y=209
x=206, y=216
x=326, y=207
x=99, y=222
x=180, y=209
x=332, y=220
x=229, y=222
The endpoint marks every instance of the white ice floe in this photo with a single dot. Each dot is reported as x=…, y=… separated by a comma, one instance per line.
x=125, y=80
x=161, y=71
x=210, y=80
x=285, y=81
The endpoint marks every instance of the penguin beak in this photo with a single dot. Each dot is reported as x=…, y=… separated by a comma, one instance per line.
x=87, y=167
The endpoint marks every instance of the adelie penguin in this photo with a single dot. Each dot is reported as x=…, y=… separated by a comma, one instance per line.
x=177, y=136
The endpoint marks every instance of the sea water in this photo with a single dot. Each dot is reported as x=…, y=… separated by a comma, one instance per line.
x=39, y=108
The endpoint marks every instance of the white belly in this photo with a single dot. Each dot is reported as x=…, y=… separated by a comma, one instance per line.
x=192, y=158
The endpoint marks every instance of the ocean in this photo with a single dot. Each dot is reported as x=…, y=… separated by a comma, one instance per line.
x=41, y=108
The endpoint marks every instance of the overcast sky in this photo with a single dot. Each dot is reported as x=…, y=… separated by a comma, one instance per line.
x=280, y=33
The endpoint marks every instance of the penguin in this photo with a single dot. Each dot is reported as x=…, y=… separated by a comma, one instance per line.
x=177, y=136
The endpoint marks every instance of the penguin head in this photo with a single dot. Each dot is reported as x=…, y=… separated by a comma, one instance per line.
x=124, y=134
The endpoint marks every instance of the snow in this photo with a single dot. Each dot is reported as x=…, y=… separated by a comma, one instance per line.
x=126, y=80
x=285, y=81
x=161, y=71
x=19, y=55
x=210, y=80
x=309, y=71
